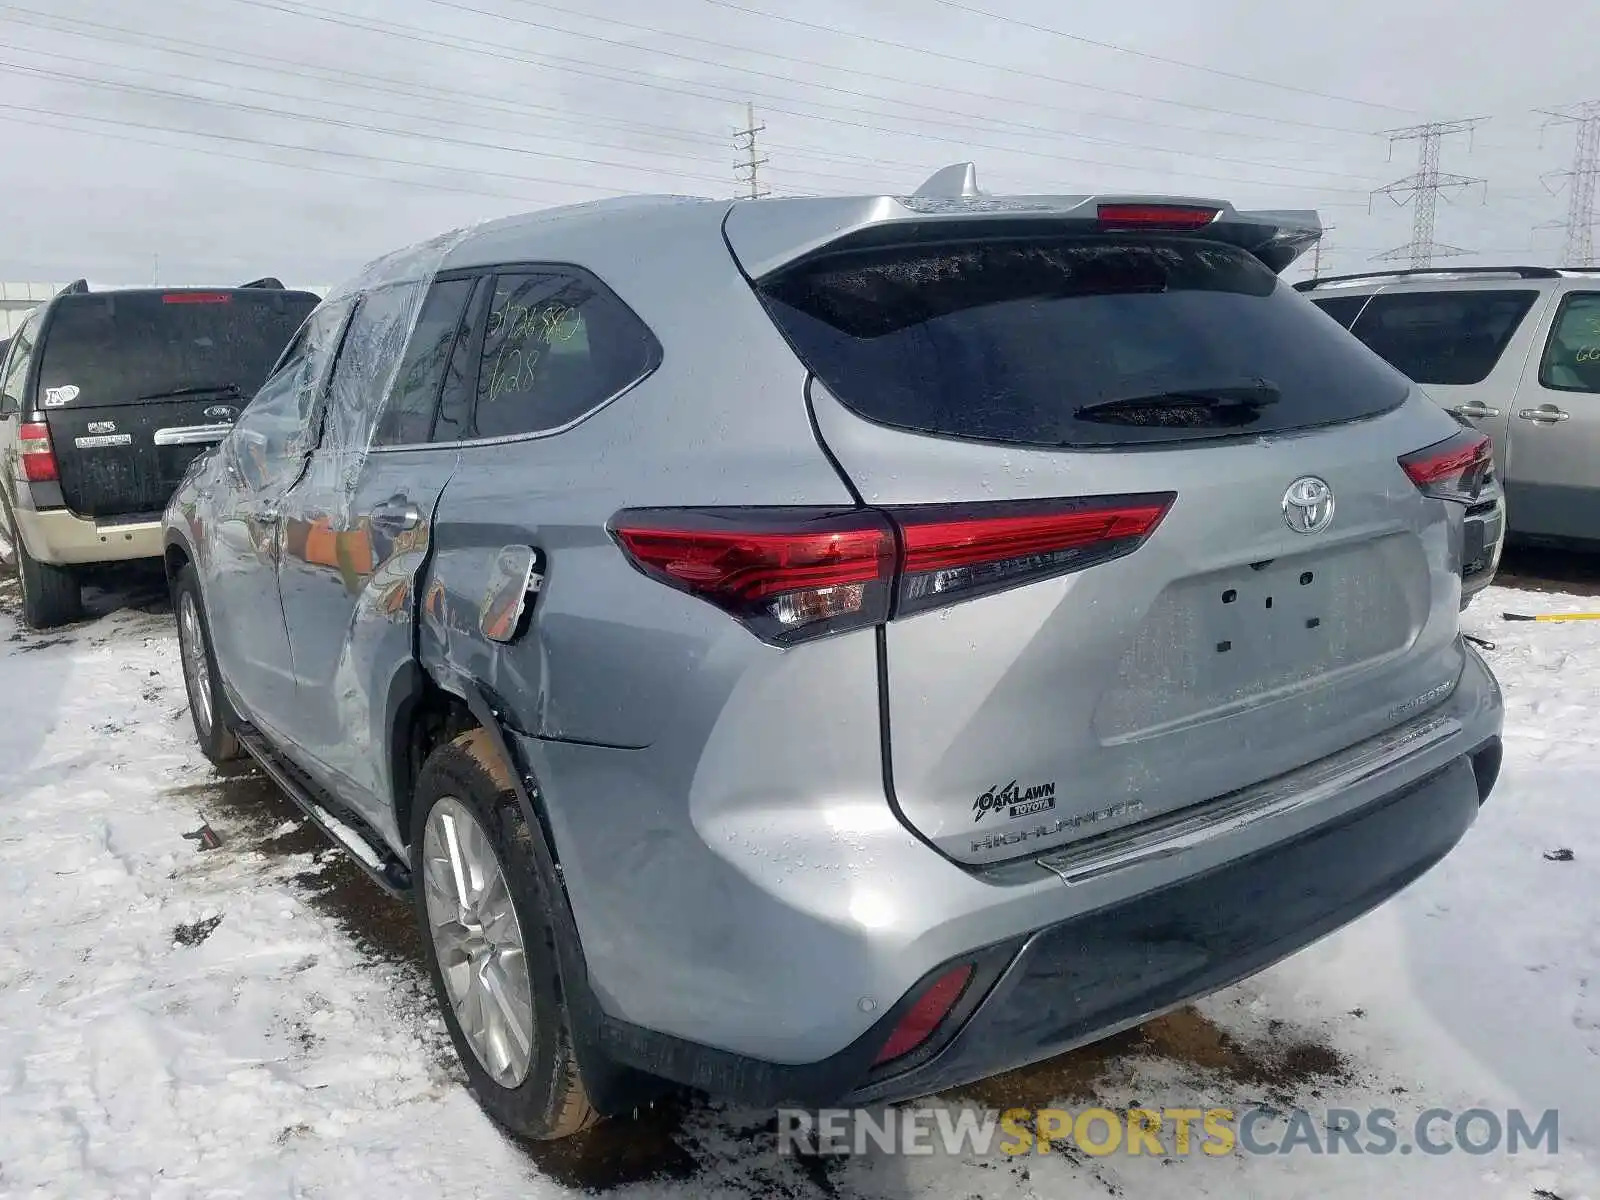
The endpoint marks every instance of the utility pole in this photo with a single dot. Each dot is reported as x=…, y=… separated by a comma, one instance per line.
x=1424, y=188
x=1578, y=250
x=751, y=162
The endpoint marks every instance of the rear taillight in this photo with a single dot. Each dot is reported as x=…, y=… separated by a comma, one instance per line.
x=1155, y=216
x=925, y=1016
x=787, y=573
x=959, y=552
x=1454, y=469
x=792, y=574
x=37, y=455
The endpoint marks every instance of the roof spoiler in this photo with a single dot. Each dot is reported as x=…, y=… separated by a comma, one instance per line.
x=770, y=237
x=266, y=281
x=78, y=287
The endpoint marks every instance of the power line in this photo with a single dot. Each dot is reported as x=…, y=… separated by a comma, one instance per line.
x=1578, y=249
x=969, y=63
x=942, y=87
x=1171, y=62
x=1424, y=189
x=752, y=164
x=434, y=39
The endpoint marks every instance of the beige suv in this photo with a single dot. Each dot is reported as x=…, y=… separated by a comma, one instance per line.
x=105, y=399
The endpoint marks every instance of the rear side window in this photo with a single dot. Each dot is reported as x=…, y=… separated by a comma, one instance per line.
x=1572, y=359
x=16, y=379
x=1452, y=337
x=557, y=345
x=1342, y=309
x=121, y=346
x=1076, y=341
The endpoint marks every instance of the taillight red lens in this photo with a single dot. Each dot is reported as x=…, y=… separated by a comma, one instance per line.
x=1155, y=216
x=1454, y=469
x=196, y=298
x=37, y=455
x=791, y=574
x=787, y=573
x=924, y=1017
x=955, y=552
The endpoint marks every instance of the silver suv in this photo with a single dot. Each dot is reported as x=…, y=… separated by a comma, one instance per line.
x=1515, y=352
x=830, y=649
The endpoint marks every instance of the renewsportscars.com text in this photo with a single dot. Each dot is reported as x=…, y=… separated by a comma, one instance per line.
x=1166, y=1132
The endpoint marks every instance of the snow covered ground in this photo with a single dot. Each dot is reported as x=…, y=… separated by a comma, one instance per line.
x=250, y=1020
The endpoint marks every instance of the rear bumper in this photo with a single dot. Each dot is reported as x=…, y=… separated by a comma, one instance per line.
x=1483, y=538
x=1083, y=979
x=62, y=538
x=1057, y=964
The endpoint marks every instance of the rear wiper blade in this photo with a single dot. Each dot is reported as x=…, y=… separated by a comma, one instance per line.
x=219, y=389
x=1257, y=393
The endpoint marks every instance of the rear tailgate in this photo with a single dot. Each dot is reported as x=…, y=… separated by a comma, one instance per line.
x=133, y=385
x=1295, y=594
x=126, y=459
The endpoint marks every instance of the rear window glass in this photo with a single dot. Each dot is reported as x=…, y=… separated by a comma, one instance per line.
x=117, y=347
x=1077, y=341
x=1342, y=309
x=1452, y=337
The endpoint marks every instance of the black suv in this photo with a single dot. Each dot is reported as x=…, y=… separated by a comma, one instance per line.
x=107, y=396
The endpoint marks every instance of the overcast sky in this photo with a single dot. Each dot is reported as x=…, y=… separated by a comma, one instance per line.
x=215, y=140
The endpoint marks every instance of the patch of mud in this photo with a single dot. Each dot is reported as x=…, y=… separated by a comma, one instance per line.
x=1282, y=1065
x=195, y=932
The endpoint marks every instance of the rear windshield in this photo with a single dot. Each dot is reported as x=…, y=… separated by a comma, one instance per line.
x=1443, y=337
x=1076, y=341
x=117, y=347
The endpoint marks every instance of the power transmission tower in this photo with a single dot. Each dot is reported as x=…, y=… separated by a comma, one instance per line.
x=751, y=162
x=1316, y=252
x=1424, y=189
x=1579, y=248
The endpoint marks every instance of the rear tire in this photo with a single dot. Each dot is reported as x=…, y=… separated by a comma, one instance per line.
x=500, y=940
x=50, y=595
x=213, y=717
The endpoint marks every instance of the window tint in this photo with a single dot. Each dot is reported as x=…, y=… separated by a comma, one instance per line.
x=16, y=380
x=120, y=346
x=1443, y=337
x=556, y=345
x=1342, y=309
x=274, y=432
x=407, y=417
x=1046, y=341
x=368, y=362
x=1572, y=359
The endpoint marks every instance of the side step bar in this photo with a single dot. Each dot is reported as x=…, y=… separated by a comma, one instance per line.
x=377, y=860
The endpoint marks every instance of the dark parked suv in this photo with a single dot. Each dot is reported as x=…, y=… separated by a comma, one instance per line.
x=106, y=397
x=830, y=649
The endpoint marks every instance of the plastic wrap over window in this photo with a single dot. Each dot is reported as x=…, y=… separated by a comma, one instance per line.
x=389, y=295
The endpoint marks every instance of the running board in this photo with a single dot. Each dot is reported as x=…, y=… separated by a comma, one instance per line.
x=386, y=870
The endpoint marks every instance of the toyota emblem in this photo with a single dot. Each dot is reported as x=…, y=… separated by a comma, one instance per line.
x=1308, y=505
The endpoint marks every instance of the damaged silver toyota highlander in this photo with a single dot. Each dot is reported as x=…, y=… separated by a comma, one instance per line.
x=839, y=649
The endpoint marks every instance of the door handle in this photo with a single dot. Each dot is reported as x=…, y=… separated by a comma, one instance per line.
x=397, y=513
x=1477, y=410
x=1546, y=414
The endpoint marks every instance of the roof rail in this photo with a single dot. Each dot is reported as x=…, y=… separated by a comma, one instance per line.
x=265, y=282
x=1306, y=285
x=77, y=287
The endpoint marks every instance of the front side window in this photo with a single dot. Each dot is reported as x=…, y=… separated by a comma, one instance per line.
x=407, y=417
x=557, y=345
x=368, y=362
x=1453, y=338
x=275, y=431
x=1572, y=357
